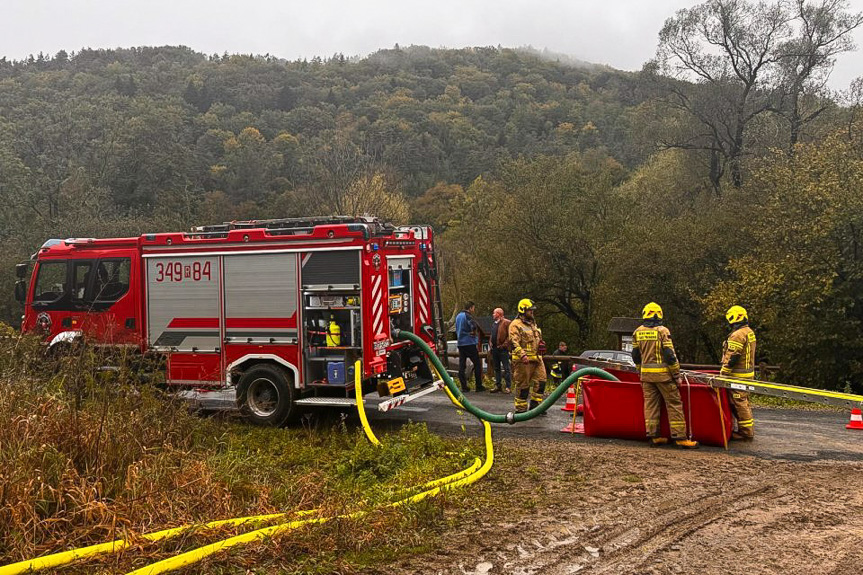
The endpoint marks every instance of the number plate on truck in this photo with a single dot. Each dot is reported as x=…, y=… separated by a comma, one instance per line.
x=381, y=346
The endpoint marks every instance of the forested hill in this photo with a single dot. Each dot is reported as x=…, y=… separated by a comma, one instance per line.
x=144, y=121
x=590, y=190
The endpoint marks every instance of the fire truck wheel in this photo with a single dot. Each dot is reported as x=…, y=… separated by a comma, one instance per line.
x=266, y=396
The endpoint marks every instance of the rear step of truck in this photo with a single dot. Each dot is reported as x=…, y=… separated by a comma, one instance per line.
x=399, y=400
x=385, y=405
x=226, y=399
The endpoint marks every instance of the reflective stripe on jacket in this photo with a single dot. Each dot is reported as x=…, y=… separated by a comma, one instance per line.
x=524, y=338
x=739, y=350
x=650, y=342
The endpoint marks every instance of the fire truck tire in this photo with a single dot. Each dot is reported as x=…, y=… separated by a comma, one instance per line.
x=266, y=396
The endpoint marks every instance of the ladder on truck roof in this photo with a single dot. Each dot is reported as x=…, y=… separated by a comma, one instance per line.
x=376, y=226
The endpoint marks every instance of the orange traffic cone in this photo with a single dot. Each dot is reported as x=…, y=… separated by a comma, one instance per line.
x=570, y=399
x=856, y=419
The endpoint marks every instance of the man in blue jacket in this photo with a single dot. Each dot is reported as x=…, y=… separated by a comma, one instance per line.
x=466, y=333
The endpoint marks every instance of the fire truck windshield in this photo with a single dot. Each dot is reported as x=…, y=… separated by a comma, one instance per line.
x=69, y=284
x=51, y=282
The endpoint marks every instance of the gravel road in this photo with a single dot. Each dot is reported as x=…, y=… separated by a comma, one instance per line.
x=791, y=434
x=790, y=502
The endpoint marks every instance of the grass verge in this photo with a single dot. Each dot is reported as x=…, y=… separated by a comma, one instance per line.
x=91, y=457
x=782, y=403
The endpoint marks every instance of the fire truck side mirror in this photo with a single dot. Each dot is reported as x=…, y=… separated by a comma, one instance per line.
x=21, y=291
x=21, y=271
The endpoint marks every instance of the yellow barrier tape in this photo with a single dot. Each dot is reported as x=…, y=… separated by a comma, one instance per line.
x=784, y=387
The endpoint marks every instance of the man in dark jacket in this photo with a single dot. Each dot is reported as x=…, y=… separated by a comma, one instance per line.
x=498, y=343
x=466, y=333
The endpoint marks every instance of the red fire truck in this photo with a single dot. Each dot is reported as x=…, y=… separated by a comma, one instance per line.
x=268, y=316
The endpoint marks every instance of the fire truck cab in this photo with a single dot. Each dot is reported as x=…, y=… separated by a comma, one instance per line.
x=267, y=316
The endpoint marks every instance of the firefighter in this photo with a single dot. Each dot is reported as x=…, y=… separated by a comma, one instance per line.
x=556, y=374
x=528, y=370
x=653, y=353
x=738, y=361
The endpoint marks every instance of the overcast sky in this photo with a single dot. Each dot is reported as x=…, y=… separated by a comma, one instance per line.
x=621, y=33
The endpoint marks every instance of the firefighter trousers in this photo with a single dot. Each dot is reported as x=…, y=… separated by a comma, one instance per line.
x=739, y=402
x=529, y=382
x=654, y=394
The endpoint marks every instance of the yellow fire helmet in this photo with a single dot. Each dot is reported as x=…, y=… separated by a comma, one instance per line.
x=651, y=311
x=736, y=314
x=525, y=305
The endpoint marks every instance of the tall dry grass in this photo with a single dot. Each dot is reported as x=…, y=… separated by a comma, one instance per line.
x=89, y=456
x=85, y=455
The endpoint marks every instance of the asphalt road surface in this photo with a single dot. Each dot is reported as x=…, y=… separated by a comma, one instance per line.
x=788, y=434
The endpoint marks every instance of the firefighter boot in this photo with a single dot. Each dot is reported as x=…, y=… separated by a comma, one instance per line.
x=658, y=441
x=521, y=400
x=537, y=389
x=686, y=443
x=534, y=404
x=535, y=400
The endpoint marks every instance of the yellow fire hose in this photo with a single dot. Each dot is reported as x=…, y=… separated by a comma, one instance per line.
x=199, y=554
x=66, y=557
x=361, y=408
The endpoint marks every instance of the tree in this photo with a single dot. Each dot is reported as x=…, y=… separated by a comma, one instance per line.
x=434, y=207
x=540, y=229
x=722, y=53
x=336, y=165
x=250, y=165
x=802, y=276
x=731, y=61
x=374, y=194
x=673, y=247
x=823, y=32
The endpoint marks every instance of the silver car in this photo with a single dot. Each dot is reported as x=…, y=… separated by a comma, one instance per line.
x=452, y=357
x=618, y=356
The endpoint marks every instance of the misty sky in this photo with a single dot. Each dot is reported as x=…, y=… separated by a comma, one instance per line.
x=621, y=33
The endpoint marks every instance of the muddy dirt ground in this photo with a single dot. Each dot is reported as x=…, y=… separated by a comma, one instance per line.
x=791, y=502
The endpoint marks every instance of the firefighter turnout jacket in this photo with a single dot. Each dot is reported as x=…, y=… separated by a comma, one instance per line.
x=653, y=352
x=524, y=338
x=738, y=354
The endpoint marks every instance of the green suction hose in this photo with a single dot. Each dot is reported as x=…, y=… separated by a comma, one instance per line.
x=496, y=417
